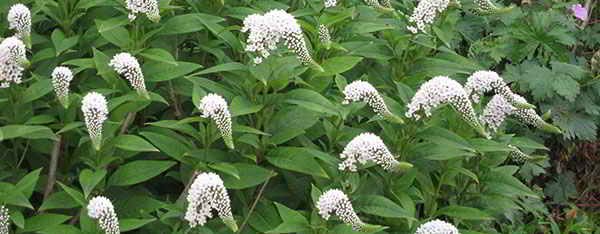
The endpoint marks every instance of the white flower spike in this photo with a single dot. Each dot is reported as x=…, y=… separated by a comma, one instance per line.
x=148, y=7
x=12, y=61
x=128, y=66
x=443, y=90
x=437, y=227
x=482, y=82
x=369, y=147
x=61, y=78
x=385, y=7
x=102, y=209
x=334, y=201
x=330, y=3
x=267, y=30
x=359, y=90
x=324, y=36
x=19, y=19
x=208, y=193
x=95, y=112
x=517, y=156
x=498, y=109
x=215, y=107
x=4, y=221
x=424, y=14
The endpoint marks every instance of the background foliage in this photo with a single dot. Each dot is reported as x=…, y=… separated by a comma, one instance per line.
x=289, y=123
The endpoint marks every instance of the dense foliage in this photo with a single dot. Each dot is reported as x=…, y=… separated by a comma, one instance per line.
x=298, y=116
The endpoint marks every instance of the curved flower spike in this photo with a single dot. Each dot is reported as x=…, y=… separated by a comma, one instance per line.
x=385, y=7
x=517, y=156
x=369, y=147
x=437, y=227
x=443, y=90
x=498, y=109
x=128, y=66
x=267, y=30
x=19, y=19
x=148, y=7
x=324, y=36
x=61, y=78
x=487, y=7
x=95, y=112
x=363, y=91
x=102, y=209
x=215, y=107
x=329, y=3
x=482, y=82
x=12, y=61
x=4, y=221
x=208, y=193
x=334, y=201
x=424, y=14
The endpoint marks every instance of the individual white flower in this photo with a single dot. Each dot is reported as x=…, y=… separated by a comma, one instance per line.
x=208, y=193
x=61, y=78
x=334, y=201
x=102, y=209
x=362, y=91
x=424, y=14
x=95, y=112
x=443, y=90
x=330, y=3
x=215, y=107
x=324, y=35
x=368, y=147
x=128, y=66
x=267, y=30
x=482, y=82
x=499, y=108
x=437, y=227
x=12, y=61
x=4, y=221
x=148, y=7
x=19, y=19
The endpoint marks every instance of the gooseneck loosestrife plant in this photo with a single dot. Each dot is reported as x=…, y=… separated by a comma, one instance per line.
x=102, y=209
x=207, y=193
x=300, y=126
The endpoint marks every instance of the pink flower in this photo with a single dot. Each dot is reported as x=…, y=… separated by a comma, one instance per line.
x=579, y=11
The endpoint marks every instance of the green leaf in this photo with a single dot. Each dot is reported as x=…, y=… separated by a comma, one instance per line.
x=249, y=176
x=44, y=221
x=464, y=212
x=241, y=106
x=168, y=145
x=26, y=131
x=226, y=168
x=159, y=55
x=27, y=184
x=138, y=171
x=9, y=194
x=117, y=35
x=233, y=66
x=134, y=143
x=337, y=65
x=37, y=90
x=156, y=72
x=89, y=180
x=181, y=24
x=562, y=189
x=75, y=194
x=293, y=221
x=61, y=43
x=380, y=206
x=61, y=228
x=566, y=87
x=59, y=200
x=312, y=100
x=289, y=123
x=132, y=224
x=296, y=159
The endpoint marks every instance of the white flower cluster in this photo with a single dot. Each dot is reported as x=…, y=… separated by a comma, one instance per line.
x=19, y=19
x=387, y=3
x=517, y=156
x=359, y=90
x=207, y=193
x=266, y=30
x=487, y=7
x=424, y=14
x=437, y=227
x=12, y=61
x=324, y=35
x=95, y=112
x=148, y=7
x=443, y=90
x=386, y=6
x=482, y=82
x=498, y=109
x=215, y=107
x=334, y=201
x=4, y=221
x=61, y=78
x=367, y=147
x=128, y=66
x=102, y=209
x=330, y=3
